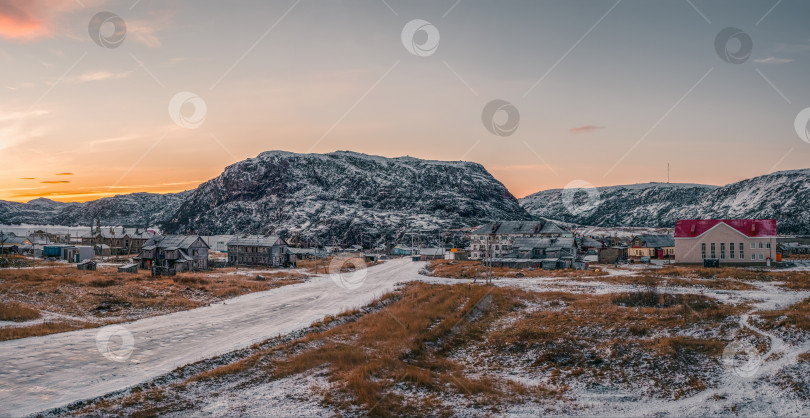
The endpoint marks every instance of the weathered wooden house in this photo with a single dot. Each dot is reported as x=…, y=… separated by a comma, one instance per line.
x=120, y=240
x=259, y=250
x=174, y=253
x=11, y=243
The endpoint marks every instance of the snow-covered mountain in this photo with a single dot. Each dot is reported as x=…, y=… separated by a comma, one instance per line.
x=137, y=209
x=343, y=193
x=327, y=196
x=783, y=195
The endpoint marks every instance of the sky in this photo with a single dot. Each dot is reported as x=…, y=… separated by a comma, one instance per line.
x=99, y=98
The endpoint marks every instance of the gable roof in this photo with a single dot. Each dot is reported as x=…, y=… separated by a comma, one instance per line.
x=257, y=241
x=520, y=227
x=753, y=228
x=655, y=241
x=119, y=232
x=527, y=244
x=431, y=251
x=172, y=242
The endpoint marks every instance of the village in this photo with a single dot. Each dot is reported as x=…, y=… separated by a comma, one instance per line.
x=514, y=244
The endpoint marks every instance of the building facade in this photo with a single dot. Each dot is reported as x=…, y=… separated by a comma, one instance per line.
x=652, y=246
x=496, y=239
x=731, y=241
x=259, y=250
x=120, y=240
x=174, y=253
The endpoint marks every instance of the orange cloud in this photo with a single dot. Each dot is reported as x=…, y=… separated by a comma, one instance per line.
x=27, y=20
x=21, y=19
x=64, y=174
x=584, y=129
x=54, y=181
x=28, y=178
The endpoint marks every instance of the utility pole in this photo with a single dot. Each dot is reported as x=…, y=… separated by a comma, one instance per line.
x=489, y=276
x=316, y=256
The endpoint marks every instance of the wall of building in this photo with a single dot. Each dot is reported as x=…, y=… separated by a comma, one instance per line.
x=689, y=250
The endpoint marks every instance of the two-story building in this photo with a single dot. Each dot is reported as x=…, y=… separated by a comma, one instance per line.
x=259, y=250
x=496, y=239
x=731, y=241
x=175, y=253
x=118, y=239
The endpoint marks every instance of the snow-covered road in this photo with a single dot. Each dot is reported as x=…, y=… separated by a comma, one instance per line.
x=41, y=373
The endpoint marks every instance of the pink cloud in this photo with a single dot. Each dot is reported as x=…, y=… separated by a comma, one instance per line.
x=22, y=20
x=26, y=20
x=585, y=129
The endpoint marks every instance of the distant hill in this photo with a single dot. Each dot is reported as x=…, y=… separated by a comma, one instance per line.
x=783, y=195
x=335, y=195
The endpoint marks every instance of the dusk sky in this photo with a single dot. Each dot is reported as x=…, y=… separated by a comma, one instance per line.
x=607, y=92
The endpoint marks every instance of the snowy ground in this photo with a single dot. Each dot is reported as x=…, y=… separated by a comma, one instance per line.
x=40, y=373
x=46, y=372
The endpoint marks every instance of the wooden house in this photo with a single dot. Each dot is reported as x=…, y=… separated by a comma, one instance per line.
x=652, y=246
x=259, y=250
x=174, y=253
x=120, y=240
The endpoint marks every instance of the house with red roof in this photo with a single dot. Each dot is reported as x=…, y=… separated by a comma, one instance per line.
x=731, y=241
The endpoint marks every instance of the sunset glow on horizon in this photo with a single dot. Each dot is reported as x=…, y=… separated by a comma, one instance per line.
x=81, y=120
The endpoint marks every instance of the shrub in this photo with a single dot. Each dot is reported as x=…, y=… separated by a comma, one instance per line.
x=10, y=311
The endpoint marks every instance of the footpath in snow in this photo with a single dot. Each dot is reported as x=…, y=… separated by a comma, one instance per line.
x=40, y=373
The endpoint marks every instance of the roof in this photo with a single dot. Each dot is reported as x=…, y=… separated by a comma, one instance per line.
x=256, y=240
x=120, y=232
x=13, y=240
x=547, y=243
x=431, y=251
x=520, y=227
x=753, y=228
x=171, y=242
x=589, y=242
x=656, y=241
x=294, y=250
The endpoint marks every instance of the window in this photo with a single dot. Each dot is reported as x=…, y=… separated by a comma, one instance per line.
x=760, y=245
x=753, y=245
x=703, y=250
x=753, y=256
x=742, y=252
x=714, y=255
x=731, y=250
x=760, y=256
x=722, y=250
x=768, y=244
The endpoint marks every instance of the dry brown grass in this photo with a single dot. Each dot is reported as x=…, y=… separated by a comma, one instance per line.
x=44, y=328
x=805, y=357
x=796, y=316
x=401, y=359
x=408, y=344
x=105, y=296
x=10, y=311
x=796, y=280
x=469, y=269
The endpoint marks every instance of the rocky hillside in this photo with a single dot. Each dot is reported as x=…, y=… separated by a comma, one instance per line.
x=783, y=195
x=328, y=196
x=340, y=194
x=137, y=209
